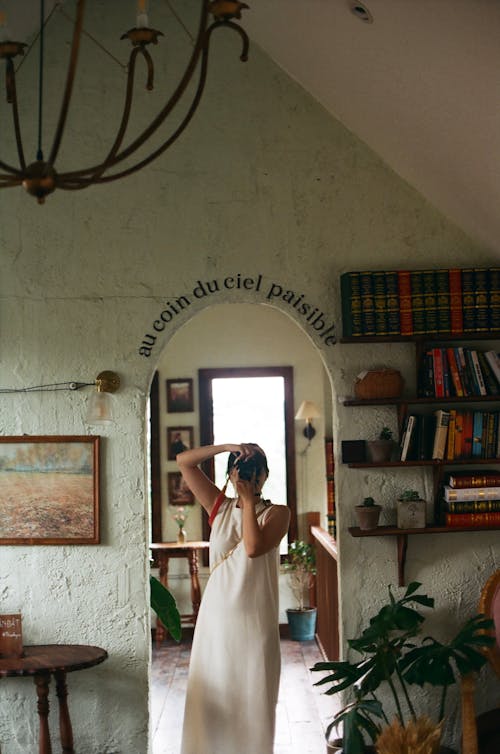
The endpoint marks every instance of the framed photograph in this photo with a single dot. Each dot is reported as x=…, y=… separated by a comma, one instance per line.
x=49, y=490
x=178, y=491
x=179, y=395
x=179, y=439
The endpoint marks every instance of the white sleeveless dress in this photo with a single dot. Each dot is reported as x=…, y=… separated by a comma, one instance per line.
x=235, y=659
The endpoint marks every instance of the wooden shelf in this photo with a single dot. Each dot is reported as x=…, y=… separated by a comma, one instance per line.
x=435, y=462
x=409, y=401
x=403, y=534
x=424, y=338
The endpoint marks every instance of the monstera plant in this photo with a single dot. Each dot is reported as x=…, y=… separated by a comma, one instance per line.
x=163, y=603
x=394, y=656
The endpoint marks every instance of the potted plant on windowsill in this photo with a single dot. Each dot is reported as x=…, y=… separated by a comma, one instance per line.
x=368, y=514
x=300, y=565
x=381, y=449
x=392, y=655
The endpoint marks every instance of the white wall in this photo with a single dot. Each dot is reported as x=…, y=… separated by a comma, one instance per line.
x=263, y=182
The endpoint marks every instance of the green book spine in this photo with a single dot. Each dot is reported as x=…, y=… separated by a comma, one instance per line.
x=443, y=301
x=350, y=292
x=430, y=300
x=380, y=302
x=472, y=506
x=468, y=300
x=367, y=303
x=417, y=301
x=494, y=299
x=481, y=299
x=392, y=302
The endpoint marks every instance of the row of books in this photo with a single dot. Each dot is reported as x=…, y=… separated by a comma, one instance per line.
x=420, y=302
x=461, y=372
x=475, y=501
x=451, y=435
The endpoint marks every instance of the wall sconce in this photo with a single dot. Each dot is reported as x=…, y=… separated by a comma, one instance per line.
x=100, y=408
x=307, y=412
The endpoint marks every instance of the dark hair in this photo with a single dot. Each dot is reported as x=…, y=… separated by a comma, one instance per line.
x=258, y=461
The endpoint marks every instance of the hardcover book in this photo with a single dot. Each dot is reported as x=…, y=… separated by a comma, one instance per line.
x=350, y=292
x=470, y=493
x=441, y=433
x=472, y=519
x=456, y=313
x=472, y=506
x=486, y=478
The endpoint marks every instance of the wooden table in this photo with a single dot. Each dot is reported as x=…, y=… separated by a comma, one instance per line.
x=189, y=550
x=42, y=661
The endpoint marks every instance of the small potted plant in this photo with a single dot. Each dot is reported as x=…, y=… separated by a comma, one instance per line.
x=300, y=565
x=411, y=510
x=368, y=513
x=381, y=449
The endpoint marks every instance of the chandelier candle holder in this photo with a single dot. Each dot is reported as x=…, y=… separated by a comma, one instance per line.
x=180, y=517
x=41, y=177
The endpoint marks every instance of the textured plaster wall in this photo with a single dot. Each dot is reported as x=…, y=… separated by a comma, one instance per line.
x=263, y=182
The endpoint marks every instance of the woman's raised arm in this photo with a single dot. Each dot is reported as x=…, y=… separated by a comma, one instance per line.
x=200, y=485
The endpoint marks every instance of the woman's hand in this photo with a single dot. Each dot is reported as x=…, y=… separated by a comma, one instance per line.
x=246, y=491
x=245, y=450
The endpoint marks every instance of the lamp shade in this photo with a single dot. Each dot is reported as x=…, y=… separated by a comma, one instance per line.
x=100, y=409
x=307, y=411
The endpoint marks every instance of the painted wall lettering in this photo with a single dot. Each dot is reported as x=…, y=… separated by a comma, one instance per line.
x=321, y=324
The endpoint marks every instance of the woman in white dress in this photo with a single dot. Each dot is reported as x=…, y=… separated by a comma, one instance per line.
x=235, y=658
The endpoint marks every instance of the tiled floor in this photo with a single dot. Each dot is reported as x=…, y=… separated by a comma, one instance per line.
x=302, y=714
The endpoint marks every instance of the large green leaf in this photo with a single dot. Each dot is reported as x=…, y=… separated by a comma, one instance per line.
x=163, y=603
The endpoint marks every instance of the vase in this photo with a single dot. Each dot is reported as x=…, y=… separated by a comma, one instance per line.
x=181, y=536
x=368, y=516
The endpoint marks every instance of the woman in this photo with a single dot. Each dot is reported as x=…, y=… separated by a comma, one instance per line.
x=235, y=658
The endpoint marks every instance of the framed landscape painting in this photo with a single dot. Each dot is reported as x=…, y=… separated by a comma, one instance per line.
x=49, y=490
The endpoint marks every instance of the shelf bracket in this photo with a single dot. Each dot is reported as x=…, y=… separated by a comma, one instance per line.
x=402, y=547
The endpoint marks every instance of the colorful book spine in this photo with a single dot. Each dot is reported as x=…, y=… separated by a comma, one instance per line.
x=481, y=299
x=470, y=493
x=468, y=300
x=380, y=302
x=456, y=382
x=456, y=313
x=367, y=303
x=392, y=302
x=494, y=299
x=418, y=302
x=407, y=439
x=472, y=519
x=494, y=363
x=477, y=434
x=478, y=375
x=350, y=292
x=472, y=506
x=487, y=478
x=450, y=442
x=430, y=301
x=468, y=425
x=437, y=365
x=405, y=315
x=440, y=434
x=443, y=305
x=488, y=374
x=459, y=435
x=463, y=370
x=425, y=384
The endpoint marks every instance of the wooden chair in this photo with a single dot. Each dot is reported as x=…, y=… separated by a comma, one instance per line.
x=481, y=735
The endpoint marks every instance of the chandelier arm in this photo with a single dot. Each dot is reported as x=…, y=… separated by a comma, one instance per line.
x=12, y=100
x=6, y=181
x=77, y=33
x=162, y=115
x=75, y=181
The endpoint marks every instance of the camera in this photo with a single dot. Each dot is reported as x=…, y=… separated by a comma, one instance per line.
x=247, y=469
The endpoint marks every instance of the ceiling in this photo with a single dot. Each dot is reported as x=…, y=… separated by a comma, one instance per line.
x=420, y=85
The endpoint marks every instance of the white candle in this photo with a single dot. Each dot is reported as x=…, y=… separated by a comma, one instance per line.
x=142, y=20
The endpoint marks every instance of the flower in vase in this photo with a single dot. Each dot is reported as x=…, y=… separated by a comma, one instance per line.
x=180, y=516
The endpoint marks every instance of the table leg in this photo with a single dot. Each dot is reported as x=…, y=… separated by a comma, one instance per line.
x=65, y=729
x=163, y=574
x=42, y=681
x=195, y=584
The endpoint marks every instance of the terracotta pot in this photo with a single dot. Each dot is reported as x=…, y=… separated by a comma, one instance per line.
x=368, y=516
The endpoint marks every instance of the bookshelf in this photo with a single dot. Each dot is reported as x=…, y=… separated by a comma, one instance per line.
x=402, y=406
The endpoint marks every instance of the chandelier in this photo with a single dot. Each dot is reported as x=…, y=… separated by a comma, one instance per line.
x=41, y=177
